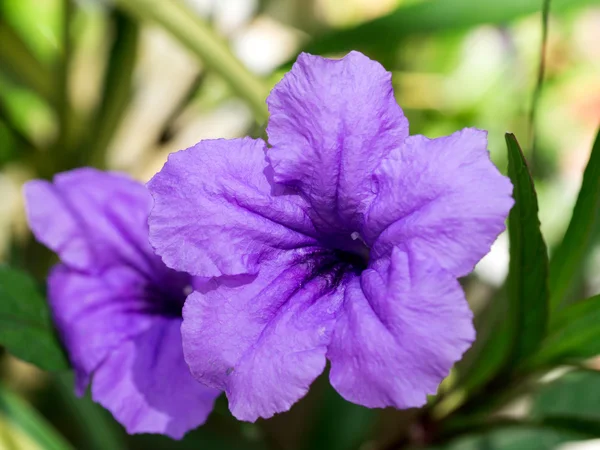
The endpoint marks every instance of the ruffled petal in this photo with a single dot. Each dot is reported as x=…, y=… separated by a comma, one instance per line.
x=331, y=124
x=261, y=339
x=403, y=325
x=443, y=196
x=146, y=384
x=217, y=213
x=91, y=219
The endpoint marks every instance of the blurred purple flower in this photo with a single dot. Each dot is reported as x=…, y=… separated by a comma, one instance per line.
x=116, y=305
x=343, y=241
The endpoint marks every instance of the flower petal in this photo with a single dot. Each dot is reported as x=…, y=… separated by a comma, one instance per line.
x=263, y=339
x=94, y=315
x=444, y=196
x=146, y=384
x=92, y=219
x=216, y=212
x=332, y=121
x=402, y=327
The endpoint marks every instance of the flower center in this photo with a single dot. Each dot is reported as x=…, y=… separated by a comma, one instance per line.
x=167, y=299
x=333, y=264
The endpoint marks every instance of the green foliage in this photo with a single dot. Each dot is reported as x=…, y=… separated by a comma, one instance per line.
x=568, y=258
x=27, y=421
x=575, y=395
x=339, y=425
x=18, y=62
x=515, y=437
x=528, y=271
x=384, y=33
x=575, y=334
x=25, y=326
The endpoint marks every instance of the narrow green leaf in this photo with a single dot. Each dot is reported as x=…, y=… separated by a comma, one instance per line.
x=17, y=61
x=527, y=281
x=575, y=334
x=191, y=31
x=117, y=88
x=25, y=326
x=28, y=421
x=568, y=258
x=430, y=16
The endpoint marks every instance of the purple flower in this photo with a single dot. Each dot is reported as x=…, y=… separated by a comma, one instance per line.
x=116, y=305
x=343, y=241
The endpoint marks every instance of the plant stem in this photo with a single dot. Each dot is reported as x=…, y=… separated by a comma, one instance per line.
x=175, y=17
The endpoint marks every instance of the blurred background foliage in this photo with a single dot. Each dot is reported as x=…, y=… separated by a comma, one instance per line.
x=120, y=84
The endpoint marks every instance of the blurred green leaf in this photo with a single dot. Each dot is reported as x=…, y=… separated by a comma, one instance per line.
x=27, y=420
x=524, y=436
x=575, y=394
x=527, y=281
x=191, y=31
x=339, y=425
x=568, y=258
x=488, y=354
x=117, y=89
x=17, y=61
x=97, y=429
x=430, y=16
x=26, y=329
x=575, y=334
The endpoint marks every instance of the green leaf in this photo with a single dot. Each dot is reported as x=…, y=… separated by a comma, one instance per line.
x=569, y=256
x=25, y=419
x=25, y=326
x=491, y=349
x=117, y=90
x=191, y=31
x=430, y=16
x=574, y=335
x=528, y=435
x=17, y=61
x=575, y=395
x=527, y=281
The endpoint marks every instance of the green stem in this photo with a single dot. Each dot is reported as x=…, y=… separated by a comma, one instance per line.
x=61, y=150
x=538, y=86
x=198, y=37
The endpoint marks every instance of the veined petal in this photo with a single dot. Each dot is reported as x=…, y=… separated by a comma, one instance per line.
x=403, y=325
x=443, y=196
x=147, y=386
x=331, y=124
x=92, y=219
x=217, y=213
x=261, y=339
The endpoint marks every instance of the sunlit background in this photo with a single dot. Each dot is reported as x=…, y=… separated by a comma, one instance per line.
x=118, y=89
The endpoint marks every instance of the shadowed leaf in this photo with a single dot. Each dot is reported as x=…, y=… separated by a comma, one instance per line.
x=25, y=326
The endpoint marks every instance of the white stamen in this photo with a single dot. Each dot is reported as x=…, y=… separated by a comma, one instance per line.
x=188, y=290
